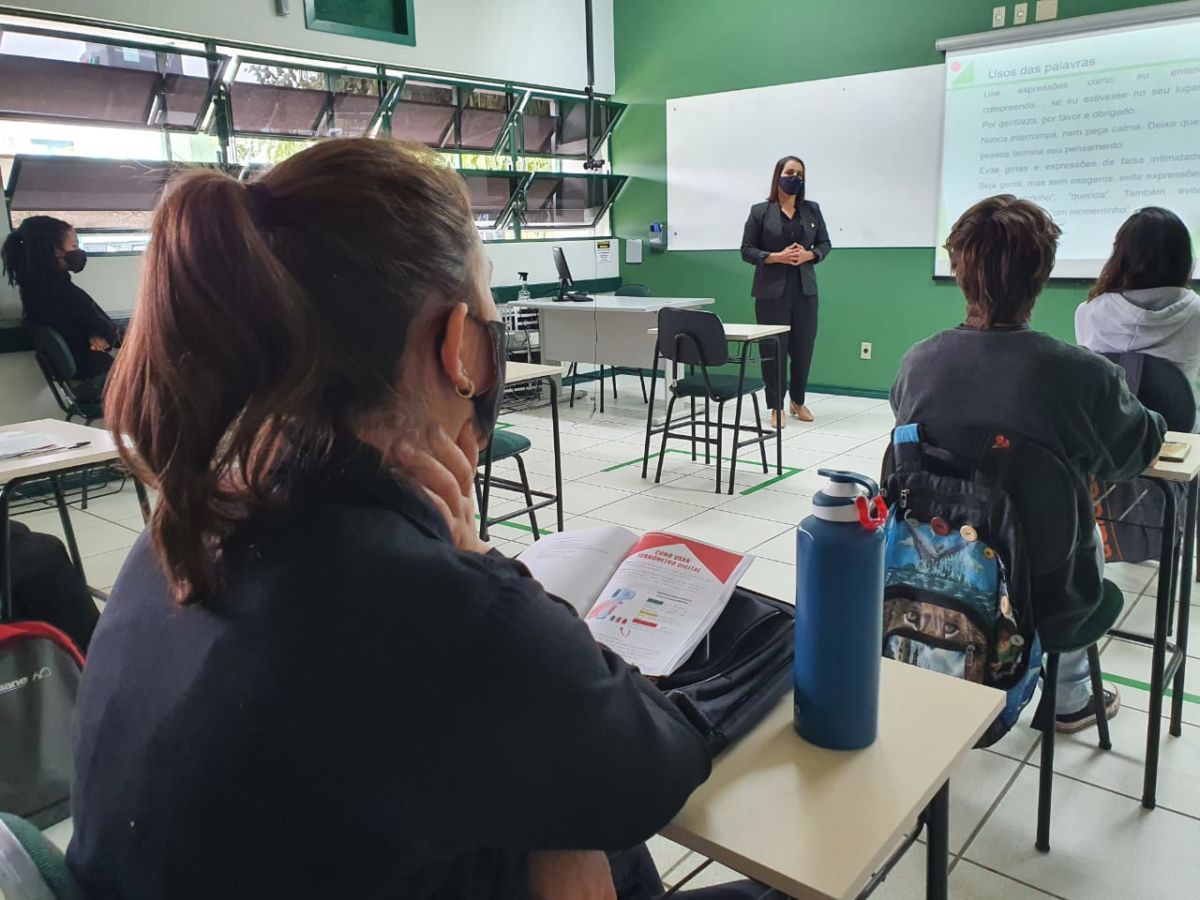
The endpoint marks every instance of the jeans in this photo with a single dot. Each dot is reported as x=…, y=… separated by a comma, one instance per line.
x=1074, y=675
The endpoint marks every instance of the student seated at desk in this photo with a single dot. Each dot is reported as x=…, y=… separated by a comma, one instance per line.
x=994, y=371
x=46, y=587
x=39, y=258
x=312, y=679
x=1142, y=302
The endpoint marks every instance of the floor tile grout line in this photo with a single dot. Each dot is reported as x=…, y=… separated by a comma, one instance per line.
x=992, y=808
x=1006, y=876
x=1136, y=798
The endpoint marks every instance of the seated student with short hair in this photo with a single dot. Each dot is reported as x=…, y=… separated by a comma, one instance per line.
x=1143, y=302
x=312, y=679
x=994, y=371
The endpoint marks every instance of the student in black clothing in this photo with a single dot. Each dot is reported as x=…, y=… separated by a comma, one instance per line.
x=312, y=679
x=46, y=587
x=39, y=257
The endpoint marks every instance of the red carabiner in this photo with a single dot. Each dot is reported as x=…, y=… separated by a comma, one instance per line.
x=871, y=515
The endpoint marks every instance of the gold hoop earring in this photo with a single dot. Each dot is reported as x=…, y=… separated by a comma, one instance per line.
x=467, y=392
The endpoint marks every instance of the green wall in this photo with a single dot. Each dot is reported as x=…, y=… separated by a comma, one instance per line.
x=678, y=49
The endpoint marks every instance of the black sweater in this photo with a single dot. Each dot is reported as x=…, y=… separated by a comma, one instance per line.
x=67, y=308
x=364, y=711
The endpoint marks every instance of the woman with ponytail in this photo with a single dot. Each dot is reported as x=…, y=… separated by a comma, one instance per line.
x=39, y=257
x=312, y=679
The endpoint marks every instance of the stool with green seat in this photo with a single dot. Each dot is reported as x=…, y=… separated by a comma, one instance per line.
x=507, y=444
x=696, y=339
x=30, y=866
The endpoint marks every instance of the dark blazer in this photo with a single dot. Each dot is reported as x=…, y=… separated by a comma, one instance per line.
x=764, y=235
x=363, y=711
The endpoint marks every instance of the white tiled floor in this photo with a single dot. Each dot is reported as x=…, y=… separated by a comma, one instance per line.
x=1104, y=844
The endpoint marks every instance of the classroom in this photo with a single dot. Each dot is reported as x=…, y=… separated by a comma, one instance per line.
x=599, y=449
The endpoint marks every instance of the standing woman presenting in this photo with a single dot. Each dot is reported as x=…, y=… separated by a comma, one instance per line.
x=785, y=238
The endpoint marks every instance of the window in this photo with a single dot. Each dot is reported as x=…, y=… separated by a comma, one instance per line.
x=93, y=120
x=84, y=80
x=557, y=201
x=557, y=126
x=381, y=20
x=270, y=99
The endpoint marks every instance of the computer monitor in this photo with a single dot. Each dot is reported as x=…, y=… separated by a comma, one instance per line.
x=564, y=272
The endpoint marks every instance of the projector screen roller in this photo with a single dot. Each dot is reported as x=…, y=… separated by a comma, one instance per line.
x=1090, y=127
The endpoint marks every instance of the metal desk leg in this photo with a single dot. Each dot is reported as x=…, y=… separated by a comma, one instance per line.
x=64, y=515
x=6, y=606
x=779, y=430
x=1159, y=650
x=558, y=490
x=143, y=500
x=937, y=851
x=1185, y=605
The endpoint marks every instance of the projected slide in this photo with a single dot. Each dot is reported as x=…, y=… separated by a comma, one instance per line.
x=1092, y=128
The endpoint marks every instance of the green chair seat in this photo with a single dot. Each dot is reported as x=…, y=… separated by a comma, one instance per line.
x=507, y=444
x=1094, y=627
x=724, y=387
x=46, y=858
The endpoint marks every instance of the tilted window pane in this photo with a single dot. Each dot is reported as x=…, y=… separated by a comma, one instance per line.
x=268, y=99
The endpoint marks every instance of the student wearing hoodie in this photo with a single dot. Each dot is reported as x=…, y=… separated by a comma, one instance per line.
x=1141, y=302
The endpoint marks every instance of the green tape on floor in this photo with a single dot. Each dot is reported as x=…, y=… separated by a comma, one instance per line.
x=1143, y=686
x=788, y=471
x=510, y=524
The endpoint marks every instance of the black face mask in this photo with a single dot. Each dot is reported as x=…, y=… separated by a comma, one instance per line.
x=487, y=403
x=75, y=260
x=791, y=184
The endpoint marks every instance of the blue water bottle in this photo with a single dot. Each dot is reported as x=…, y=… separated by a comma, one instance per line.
x=839, y=614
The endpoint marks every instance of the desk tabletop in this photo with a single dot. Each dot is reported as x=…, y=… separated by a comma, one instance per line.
x=519, y=372
x=1179, y=471
x=622, y=304
x=817, y=823
x=747, y=331
x=100, y=448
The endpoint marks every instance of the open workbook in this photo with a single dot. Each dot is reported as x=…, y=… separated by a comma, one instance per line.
x=651, y=599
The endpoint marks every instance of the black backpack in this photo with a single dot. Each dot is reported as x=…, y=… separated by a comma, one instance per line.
x=957, y=578
x=40, y=670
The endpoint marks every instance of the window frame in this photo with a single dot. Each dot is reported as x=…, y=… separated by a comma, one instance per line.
x=593, y=177
x=215, y=64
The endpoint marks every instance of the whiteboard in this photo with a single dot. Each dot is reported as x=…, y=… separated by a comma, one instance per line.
x=872, y=144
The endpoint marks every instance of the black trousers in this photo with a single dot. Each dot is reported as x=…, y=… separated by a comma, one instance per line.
x=799, y=312
x=636, y=878
x=46, y=587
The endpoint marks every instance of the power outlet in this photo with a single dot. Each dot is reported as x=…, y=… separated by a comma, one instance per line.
x=1020, y=13
x=999, y=16
x=865, y=350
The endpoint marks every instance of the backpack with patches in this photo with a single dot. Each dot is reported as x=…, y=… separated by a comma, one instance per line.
x=957, y=584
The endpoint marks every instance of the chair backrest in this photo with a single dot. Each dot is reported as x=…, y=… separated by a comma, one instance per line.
x=692, y=337
x=1161, y=386
x=633, y=290
x=52, y=353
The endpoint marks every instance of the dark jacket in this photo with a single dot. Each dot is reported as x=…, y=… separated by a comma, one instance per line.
x=763, y=235
x=67, y=308
x=364, y=711
x=1071, y=401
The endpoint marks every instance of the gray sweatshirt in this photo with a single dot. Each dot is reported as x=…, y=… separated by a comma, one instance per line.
x=1160, y=322
x=1070, y=400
